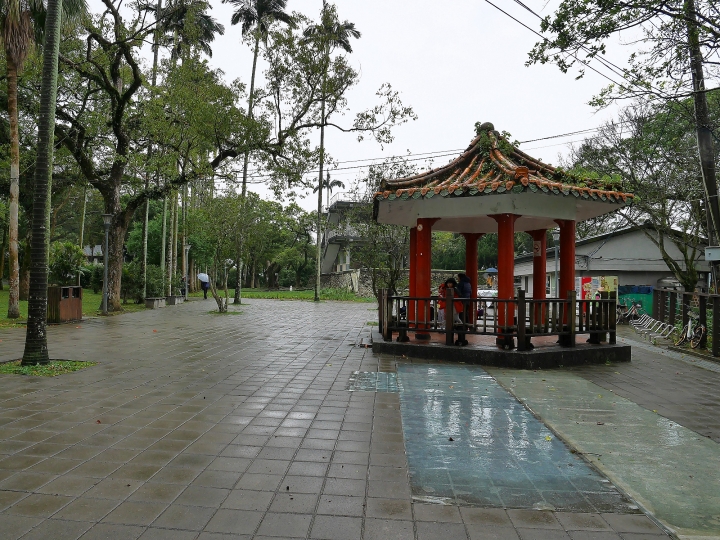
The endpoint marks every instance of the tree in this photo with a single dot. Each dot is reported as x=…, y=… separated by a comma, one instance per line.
x=195, y=127
x=329, y=185
x=683, y=38
x=256, y=17
x=652, y=149
x=36, y=348
x=185, y=25
x=328, y=35
x=21, y=24
x=381, y=249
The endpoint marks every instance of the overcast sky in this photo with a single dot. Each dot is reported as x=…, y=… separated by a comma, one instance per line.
x=455, y=62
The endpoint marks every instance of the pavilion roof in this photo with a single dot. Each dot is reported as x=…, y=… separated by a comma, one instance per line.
x=491, y=165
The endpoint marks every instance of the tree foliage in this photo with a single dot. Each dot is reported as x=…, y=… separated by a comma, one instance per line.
x=652, y=148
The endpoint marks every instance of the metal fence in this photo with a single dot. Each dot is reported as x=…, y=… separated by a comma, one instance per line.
x=673, y=307
x=564, y=317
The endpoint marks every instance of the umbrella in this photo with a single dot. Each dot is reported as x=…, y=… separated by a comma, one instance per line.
x=204, y=277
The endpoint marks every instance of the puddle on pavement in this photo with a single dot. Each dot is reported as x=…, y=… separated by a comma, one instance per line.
x=372, y=381
x=470, y=442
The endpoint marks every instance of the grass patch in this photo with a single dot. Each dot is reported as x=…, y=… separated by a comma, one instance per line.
x=90, y=307
x=54, y=368
x=308, y=294
x=372, y=323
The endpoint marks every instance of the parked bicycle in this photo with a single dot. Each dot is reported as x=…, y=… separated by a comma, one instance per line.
x=694, y=332
x=626, y=314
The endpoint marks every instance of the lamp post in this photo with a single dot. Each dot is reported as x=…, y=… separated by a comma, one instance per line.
x=556, y=239
x=187, y=264
x=107, y=220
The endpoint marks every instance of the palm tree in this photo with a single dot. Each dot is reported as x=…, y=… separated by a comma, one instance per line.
x=21, y=26
x=329, y=35
x=183, y=25
x=256, y=17
x=36, y=348
x=329, y=186
x=186, y=25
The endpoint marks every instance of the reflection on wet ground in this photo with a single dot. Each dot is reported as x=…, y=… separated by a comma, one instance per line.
x=372, y=381
x=469, y=441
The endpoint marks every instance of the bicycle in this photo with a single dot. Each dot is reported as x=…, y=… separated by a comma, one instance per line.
x=692, y=332
x=625, y=314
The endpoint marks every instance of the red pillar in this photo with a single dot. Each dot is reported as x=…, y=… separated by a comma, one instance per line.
x=423, y=258
x=567, y=266
x=506, y=273
x=471, y=259
x=539, y=272
x=567, y=256
x=411, y=276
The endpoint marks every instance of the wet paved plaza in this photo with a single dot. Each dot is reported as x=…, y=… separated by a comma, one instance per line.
x=199, y=426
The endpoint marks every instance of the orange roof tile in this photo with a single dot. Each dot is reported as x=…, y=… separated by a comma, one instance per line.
x=492, y=165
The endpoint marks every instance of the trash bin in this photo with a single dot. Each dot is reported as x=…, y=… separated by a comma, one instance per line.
x=64, y=304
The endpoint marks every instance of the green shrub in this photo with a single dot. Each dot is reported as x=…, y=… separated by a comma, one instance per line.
x=155, y=281
x=65, y=262
x=96, y=277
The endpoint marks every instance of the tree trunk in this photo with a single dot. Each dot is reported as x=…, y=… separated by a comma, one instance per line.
x=176, y=244
x=13, y=260
x=3, y=248
x=170, y=246
x=702, y=119
x=318, y=255
x=116, y=238
x=143, y=262
x=164, y=236
x=246, y=157
x=36, y=349
x=82, y=227
x=238, y=279
x=24, y=283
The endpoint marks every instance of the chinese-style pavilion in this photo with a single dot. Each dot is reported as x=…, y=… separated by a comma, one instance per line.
x=494, y=187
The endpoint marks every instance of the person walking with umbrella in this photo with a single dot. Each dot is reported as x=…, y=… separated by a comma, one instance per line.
x=204, y=283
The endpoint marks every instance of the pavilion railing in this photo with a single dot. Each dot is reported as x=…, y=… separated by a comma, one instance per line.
x=564, y=317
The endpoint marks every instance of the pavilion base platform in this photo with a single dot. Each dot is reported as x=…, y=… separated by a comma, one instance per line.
x=547, y=353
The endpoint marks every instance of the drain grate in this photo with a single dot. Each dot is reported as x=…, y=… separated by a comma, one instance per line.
x=372, y=381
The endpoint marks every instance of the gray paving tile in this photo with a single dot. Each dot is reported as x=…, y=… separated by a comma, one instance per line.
x=15, y=526
x=491, y=532
x=285, y=525
x=440, y=531
x=436, y=512
x=167, y=534
x=341, y=505
x=542, y=534
x=135, y=513
x=58, y=529
x=103, y=531
x=383, y=529
x=332, y=527
x=39, y=505
x=192, y=518
x=234, y=521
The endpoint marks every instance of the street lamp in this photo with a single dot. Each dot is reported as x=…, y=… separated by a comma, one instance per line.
x=556, y=239
x=187, y=264
x=107, y=220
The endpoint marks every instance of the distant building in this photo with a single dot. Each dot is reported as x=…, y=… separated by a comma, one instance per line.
x=337, y=236
x=94, y=254
x=626, y=253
